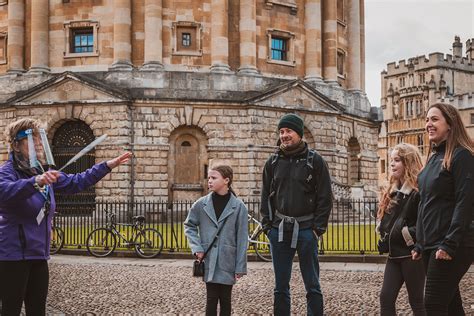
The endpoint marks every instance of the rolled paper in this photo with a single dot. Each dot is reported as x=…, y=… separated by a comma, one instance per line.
x=85, y=150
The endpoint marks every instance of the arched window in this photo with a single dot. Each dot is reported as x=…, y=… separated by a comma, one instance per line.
x=68, y=140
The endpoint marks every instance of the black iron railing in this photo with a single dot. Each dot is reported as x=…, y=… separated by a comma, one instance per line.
x=351, y=226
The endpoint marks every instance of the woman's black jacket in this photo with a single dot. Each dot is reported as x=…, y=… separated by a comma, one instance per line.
x=446, y=202
x=400, y=223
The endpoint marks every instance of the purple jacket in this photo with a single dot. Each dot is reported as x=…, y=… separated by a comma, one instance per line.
x=21, y=238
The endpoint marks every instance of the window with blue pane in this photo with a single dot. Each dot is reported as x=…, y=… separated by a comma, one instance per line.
x=279, y=48
x=83, y=40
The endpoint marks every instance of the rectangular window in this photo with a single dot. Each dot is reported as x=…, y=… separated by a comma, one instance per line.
x=340, y=10
x=382, y=166
x=279, y=48
x=472, y=118
x=186, y=39
x=82, y=40
x=420, y=144
x=402, y=82
x=340, y=63
x=3, y=47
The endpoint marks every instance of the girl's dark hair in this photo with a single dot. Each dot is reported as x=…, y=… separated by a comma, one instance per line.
x=227, y=173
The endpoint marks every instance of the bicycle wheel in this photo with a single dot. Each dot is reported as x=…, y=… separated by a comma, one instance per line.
x=148, y=243
x=101, y=242
x=262, y=246
x=57, y=240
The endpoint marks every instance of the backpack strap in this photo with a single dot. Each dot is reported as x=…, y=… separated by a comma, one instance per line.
x=274, y=159
x=310, y=158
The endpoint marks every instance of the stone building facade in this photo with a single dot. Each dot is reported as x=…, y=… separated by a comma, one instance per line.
x=186, y=84
x=410, y=87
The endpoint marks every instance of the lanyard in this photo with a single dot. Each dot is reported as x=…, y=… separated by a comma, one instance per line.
x=45, y=193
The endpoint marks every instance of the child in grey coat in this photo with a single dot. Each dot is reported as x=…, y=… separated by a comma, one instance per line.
x=226, y=261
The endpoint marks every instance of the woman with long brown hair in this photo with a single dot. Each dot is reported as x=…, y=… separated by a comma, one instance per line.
x=445, y=234
x=397, y=214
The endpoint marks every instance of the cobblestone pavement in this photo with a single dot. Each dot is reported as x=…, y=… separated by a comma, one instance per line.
x=165, y=286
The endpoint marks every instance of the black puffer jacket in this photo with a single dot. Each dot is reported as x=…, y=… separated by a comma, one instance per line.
x=298, y=190
x=400, y=223
x=447, y=202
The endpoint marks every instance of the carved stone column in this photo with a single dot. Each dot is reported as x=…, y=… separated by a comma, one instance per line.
x=248, y=37
x=122, y=35
x=219, y=36
x=362, y=45
x=40, y=36
x=153, y=35
x=313, y=40
x=330, y=41
x=16, y=36
x=353, y=74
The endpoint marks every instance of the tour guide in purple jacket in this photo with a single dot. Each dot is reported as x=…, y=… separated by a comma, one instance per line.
x=24, y=236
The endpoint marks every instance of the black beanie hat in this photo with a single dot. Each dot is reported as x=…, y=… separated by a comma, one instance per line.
x=293, y=122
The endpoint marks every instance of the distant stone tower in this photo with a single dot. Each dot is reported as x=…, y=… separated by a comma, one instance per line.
x=410, y=87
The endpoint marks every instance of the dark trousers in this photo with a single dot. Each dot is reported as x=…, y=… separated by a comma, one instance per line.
x=282, y=255
x=218, y=293
x=397, y=272
x=442, y=296
x=24, y=281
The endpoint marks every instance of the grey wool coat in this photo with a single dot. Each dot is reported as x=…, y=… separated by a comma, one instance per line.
x=228, y=256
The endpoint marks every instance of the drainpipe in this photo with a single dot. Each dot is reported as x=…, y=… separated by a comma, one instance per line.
x=131, y=109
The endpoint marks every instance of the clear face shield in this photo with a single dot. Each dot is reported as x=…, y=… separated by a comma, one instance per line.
x=34, y=150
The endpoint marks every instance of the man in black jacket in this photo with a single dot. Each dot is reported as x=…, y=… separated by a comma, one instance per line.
x=296, y=202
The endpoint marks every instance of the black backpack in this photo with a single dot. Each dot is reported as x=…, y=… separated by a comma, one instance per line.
x=309, y=167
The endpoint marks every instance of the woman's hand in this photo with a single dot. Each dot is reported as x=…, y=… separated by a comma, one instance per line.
x=238, y=276
x=442, y=255
x=123, y=158
x=49, y=177
x=199, y=255
x=415, y=255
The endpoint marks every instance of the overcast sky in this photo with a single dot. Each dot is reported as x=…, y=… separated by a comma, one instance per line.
x=401, y=29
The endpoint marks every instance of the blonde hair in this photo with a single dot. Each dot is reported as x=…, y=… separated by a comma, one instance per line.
x=411, y=160
x=457, y=135
x=20, y=125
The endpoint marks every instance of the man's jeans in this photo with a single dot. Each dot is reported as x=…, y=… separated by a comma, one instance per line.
x=283, y=255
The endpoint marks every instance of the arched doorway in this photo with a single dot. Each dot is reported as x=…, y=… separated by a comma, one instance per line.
x=68, y=140
x=187, y=166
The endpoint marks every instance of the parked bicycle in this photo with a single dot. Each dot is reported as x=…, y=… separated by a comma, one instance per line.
x=57, y=240
x=147, y=242
x=259, y=240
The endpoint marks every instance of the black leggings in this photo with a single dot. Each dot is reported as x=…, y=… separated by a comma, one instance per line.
x=221, y=293
x=397, y=272
x=26, y=281
x=442, y=296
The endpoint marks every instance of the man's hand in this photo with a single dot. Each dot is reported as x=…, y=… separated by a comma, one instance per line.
x=49, y=177
x=238, y=276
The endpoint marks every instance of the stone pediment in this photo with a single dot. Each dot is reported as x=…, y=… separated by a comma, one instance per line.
x=67, y=88
x=296, y=95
